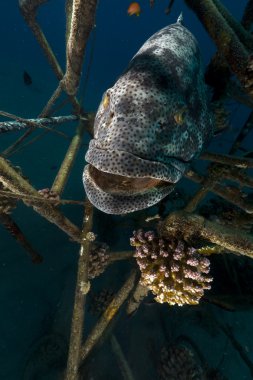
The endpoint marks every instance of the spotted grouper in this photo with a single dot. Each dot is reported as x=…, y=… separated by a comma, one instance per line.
x=149, y=125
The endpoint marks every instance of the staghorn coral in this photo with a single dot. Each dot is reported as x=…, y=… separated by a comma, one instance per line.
x=178, y=363
x=171, y=269
x=98, y=259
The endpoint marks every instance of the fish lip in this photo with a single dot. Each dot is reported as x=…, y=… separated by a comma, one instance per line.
x=108, y=161
x=121, y=204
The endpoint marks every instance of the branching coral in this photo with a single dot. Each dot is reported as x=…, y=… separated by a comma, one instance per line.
x=171, y=269
x=178, y=363
x=98, y=260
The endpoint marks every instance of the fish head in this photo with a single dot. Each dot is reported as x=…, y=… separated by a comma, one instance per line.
x=131, y=164
x=148, y=127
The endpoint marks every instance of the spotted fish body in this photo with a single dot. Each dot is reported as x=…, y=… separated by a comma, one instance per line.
x=149, y=125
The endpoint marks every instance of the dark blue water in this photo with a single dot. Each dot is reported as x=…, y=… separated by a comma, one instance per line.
x=36, y=301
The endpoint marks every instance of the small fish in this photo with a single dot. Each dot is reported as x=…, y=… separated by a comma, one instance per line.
x=149, y=125
x=134, y=9
x=27, y=78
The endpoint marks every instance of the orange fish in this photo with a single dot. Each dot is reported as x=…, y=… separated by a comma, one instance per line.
x=134, y=9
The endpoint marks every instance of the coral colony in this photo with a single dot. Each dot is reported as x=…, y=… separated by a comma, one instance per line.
x=172, y=270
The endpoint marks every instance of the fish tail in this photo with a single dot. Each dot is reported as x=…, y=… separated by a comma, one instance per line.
x=180, y=18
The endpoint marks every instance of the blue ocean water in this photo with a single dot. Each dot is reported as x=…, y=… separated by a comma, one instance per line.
x=36, y=301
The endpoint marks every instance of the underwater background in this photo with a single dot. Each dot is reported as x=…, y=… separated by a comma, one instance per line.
x=36, y=301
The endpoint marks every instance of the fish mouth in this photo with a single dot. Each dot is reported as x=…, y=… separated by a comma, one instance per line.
x=119, y=182
x=122, y=185
x=114, y=194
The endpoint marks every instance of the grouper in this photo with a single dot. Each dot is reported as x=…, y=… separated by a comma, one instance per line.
x=149, y=125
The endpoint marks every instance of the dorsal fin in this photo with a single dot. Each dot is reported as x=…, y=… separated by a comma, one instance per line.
x=180, y=18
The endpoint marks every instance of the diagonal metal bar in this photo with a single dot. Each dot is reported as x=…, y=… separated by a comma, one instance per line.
x=80, y=25
x=9, y=126
x=226, y=159
x=13, y=181
x=18, y=235
x=82, y=288
x=187, y=226
x=231, y=195
x=223, y=35
x=109, y=313
x=64, y=171
x=29, y=11
x=247, y=18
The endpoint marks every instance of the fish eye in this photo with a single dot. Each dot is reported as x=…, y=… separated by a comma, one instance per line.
x=180, y=116
x=106, y=100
